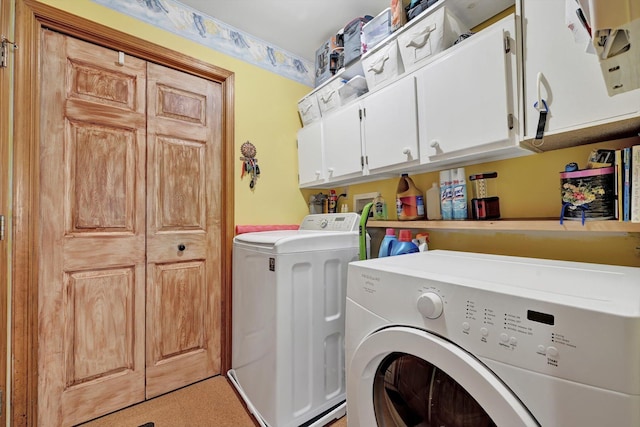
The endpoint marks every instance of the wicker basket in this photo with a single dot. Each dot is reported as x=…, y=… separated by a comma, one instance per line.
x=588, y=194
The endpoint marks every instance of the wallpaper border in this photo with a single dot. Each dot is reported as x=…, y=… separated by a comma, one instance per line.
x=184, y=21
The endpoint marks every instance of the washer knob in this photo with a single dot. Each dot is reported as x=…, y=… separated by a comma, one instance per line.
x=430, y=305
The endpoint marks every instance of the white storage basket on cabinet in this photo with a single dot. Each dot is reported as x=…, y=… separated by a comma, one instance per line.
x=309, y=109
x=428, y=35
x=328, y=96
x=382, y=64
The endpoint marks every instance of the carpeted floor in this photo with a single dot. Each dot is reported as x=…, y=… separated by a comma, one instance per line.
x=209, y=403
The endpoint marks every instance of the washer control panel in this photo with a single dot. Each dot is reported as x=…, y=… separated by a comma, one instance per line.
x=331, y=222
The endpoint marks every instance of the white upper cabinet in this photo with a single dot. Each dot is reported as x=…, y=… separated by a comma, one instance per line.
x=376, y=134
x=310, y=152
x=391, y=127
x=343, y=143
x=467, y=99
x=559, y=70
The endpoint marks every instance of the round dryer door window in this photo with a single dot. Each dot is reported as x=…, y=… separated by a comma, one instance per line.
x=409, y=391
x=402, y=376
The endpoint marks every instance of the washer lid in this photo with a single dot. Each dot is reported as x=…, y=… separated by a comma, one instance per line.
x=288, y=241
x=265, y=238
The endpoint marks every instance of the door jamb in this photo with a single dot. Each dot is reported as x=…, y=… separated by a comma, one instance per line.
x=6, y=76
x=31, y=16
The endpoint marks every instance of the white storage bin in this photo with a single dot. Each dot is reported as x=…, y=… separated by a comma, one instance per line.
x=352, y=89
x=309, y=109
x=428, y=35
x=376, y=30
x=328, y=96
x=382, y=64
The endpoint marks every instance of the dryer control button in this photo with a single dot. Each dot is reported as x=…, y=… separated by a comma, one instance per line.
x=504, y=337
x=484, y=331
x=430, y=305
x=552, y=351
x=466, y=326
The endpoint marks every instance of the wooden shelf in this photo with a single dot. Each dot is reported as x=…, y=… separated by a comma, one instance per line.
x=524, y=224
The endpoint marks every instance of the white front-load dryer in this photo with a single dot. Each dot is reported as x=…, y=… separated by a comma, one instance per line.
x=289, y=294
x=445, y=338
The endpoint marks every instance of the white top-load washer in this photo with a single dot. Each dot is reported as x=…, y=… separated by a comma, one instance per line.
x=459, y=339
x=289, y=294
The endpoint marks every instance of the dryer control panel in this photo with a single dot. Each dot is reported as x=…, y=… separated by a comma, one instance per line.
x=562, y=319
x=331, y=222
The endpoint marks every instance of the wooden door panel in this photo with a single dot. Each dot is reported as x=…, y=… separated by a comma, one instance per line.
x=100, y=309
x=102, y=341
x=174, y=102
x=92, y=221
x=183, y=222
x=101, y=174
x=181, y=308
x=179, y=301
x=181, y=185
x=104, y=80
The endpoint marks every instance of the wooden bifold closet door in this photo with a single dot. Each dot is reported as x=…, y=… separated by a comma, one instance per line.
x=129, y=275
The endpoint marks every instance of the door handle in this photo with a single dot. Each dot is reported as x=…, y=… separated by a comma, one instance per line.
x=181, y=247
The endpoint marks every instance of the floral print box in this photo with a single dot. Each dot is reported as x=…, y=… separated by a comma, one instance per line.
x=588, y=194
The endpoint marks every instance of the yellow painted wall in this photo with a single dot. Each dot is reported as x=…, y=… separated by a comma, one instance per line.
x=265, y=114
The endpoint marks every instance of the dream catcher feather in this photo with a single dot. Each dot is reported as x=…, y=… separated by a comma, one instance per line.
x=249, y=163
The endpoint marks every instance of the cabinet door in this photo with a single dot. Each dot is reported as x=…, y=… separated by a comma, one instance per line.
x=342, y=142
x=310, y=164
x=391, y=126
x=464, y=108
x=571, y=80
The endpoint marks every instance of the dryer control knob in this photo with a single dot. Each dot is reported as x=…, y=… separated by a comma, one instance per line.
x=430, y=305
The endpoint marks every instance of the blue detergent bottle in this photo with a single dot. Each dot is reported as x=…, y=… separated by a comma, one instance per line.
x=387, y=242
x=404, y=244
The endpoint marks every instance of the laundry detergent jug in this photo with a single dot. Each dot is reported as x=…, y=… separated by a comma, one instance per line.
x=404, y=245
x=409, y=200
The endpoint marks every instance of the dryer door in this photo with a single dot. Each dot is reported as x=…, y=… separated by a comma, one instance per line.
x=419, y=379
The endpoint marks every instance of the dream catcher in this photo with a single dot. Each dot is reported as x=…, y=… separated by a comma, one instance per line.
x=249, y=163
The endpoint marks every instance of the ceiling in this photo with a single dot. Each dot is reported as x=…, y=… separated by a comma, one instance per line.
x=297, y=26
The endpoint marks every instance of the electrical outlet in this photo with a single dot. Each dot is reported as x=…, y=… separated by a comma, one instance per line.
x=360, y=201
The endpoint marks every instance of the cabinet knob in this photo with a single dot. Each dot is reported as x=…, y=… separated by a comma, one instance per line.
x=406, y=151
x=181, y=247
x=330, y=170
x=317, y=173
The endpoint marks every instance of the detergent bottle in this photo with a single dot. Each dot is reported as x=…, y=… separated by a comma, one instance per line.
x=409, y=200
x=404, y=244
x=387, y=242
x=379, y=208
